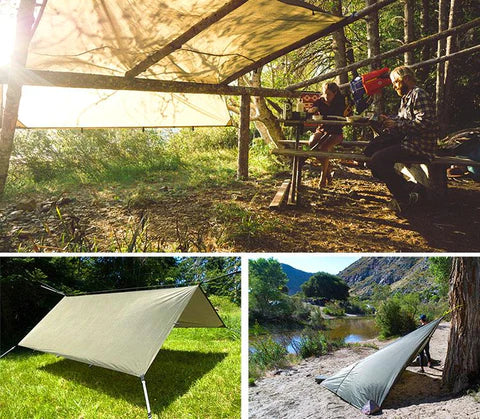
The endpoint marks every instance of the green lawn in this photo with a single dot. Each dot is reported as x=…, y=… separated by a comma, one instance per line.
x=195, y=375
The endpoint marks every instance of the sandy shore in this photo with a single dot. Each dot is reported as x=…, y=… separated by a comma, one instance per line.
x=293, y=393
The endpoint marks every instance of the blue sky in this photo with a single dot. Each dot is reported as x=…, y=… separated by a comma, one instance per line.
x=332, y=264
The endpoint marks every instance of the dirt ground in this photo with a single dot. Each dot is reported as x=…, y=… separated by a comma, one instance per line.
x=351, y=215
x=293, y=393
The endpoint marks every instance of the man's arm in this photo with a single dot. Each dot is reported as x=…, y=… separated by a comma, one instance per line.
x=423, y=115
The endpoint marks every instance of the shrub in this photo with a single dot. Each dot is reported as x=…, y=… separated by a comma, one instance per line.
x=311, y=343
x=266, y=354
x=394, y=320
x=316, y=319
x=334, y=309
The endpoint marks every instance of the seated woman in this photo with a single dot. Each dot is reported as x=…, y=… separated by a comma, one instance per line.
x=327, y=136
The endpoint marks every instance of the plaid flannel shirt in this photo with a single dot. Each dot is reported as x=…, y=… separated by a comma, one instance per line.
x=417, y=122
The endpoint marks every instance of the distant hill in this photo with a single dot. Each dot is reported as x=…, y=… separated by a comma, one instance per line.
x=404, y=274
x=296, y=278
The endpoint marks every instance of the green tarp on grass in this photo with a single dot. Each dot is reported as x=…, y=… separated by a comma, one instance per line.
x=122, y=331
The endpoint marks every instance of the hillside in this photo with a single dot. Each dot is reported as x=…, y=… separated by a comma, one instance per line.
x=296, y=278
x=401, y=273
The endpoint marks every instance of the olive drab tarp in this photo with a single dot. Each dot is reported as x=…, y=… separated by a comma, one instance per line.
x=122, y=331
x=371, y=378
x=113, y=36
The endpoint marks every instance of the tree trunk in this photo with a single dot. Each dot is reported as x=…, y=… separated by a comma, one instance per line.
x=265, y=122
x=339, y=45
x=451, y=47
x=243, y=137
x=462, y=365
x=409, y=35
x=373, y=40
x=425, y=18
x=25, y=21
x=440, y=86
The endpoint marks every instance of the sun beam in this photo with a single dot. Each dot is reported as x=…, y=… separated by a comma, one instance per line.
x=8, y=11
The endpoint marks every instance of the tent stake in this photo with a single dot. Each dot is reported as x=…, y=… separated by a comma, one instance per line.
x=144, y=385
x=5, y=353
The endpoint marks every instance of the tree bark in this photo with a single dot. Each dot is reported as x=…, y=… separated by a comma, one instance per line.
x=373, y=40
x=462, y=365
x=339, y=45
x=425, y=18
x=25, y=21
x=243, y=138
x=440, y=87
x=408, y=32
x=265, y=122
x=451, y=47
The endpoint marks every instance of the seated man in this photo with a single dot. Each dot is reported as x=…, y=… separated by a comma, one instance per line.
x=410, y=136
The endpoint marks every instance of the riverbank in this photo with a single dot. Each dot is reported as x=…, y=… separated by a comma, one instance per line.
x=293, y=393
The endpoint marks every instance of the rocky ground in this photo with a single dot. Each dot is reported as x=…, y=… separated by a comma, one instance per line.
x=293, y=393
x=351, y=215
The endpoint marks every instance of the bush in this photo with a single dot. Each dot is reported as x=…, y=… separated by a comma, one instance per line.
x=316, y=319
x=334, y=309
x=394, y=320
x=203, y=139
x=311, y=343
x=266, y=354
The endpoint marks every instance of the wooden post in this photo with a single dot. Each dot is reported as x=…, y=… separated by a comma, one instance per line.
x=243, y=137
x=25, y=21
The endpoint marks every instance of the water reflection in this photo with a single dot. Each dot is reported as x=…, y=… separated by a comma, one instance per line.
x=348, y=329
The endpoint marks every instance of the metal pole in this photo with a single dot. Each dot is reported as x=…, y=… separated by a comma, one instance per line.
x=144, y=385
x=5, y=353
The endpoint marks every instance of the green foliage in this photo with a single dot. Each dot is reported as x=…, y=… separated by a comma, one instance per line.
x=324, y=285
x=441, y=268
x=265, y=353
x=355, y=306
x=394, y=320
x=268, y=299
x=301, y=313
x=241, y=223
x=311, y=343
x=187, y=141
x=333, y=308
x=316, y=320
x=314, y=343
x=195, y=374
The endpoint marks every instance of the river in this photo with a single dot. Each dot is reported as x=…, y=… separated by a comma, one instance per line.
x=349, y=329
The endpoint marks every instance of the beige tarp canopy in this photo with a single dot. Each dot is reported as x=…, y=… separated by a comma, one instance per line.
x=122, y=331
x=202, y=41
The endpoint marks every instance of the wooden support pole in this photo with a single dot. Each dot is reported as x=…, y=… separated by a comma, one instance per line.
x=243, y=138
x=302, y=42
x=392, y=53
x=98, y=81
x=25, y=22
x=185, y=37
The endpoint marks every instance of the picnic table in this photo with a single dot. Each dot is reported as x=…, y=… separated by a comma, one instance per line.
x=299, y=125
x=432, y=175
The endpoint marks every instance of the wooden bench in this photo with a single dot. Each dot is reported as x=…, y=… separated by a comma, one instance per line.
x=431, y=175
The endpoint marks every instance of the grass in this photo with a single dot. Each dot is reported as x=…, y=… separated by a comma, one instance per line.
x=56, y=161
x=195, y=375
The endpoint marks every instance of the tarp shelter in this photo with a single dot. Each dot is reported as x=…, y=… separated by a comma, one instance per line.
x=201, y=41
x=122, y=331
x=372, y=378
